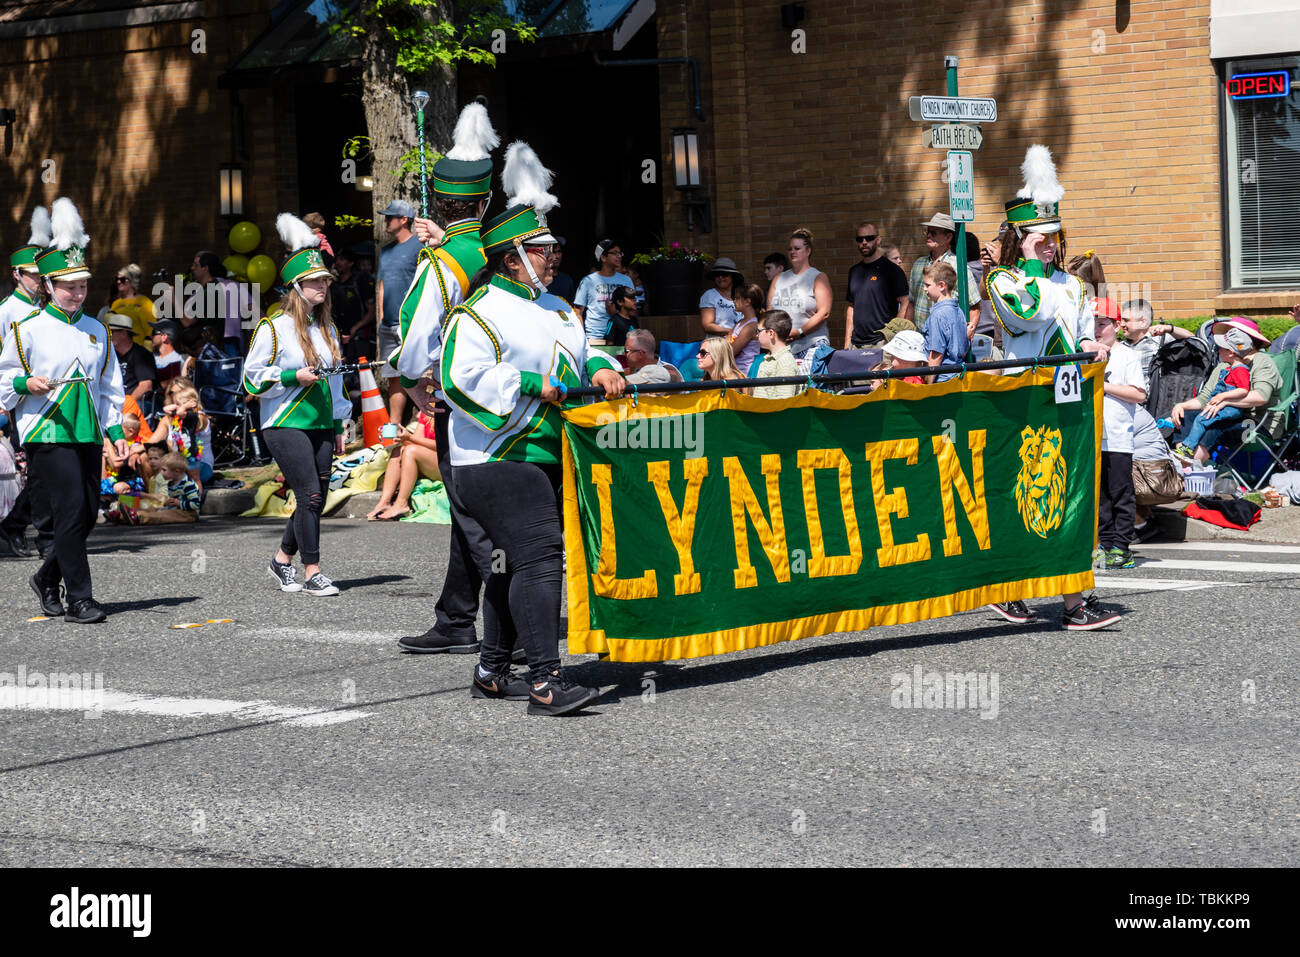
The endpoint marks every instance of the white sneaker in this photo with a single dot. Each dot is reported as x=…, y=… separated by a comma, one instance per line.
x=318, y=584
x=286, y=576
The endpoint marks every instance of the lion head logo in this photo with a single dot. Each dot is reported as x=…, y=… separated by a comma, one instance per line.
x=1040, y=486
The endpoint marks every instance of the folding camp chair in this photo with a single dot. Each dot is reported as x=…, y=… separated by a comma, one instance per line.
x=1273, y=446
x=220, y=385
x=684, y=356
x=848, y=361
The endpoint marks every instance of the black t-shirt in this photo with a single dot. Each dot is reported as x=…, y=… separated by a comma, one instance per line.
x=874, y=290
x=137, y=366
x=349, y=304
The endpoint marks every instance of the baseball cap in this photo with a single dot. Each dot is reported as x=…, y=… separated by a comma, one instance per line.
x=167, y=327
x=399, y=207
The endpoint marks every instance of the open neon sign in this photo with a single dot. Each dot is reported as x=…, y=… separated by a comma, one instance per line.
x=1257, y=86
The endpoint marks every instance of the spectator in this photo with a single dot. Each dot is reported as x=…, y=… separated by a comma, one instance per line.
x=154, y=453
x=804, y=294
x=1157, y=478
x=985, y=325
x=1231, y=383
x=1241, y=337
x=895, y=256
x=317, y=224
x=1124, y=392
x=129, y=473
x=945, y=329
x=744, y=337
x=139, y=371
x=186, y=429
x=716, y=360
x=562, y=284
x=621, y=310
x=774, y=265
x=182, y=491
x=595, y=289
x=773, y=338
x=989, y=255
x=223, y=307
x=718, y=313
x=877, y=291
x=167, y=358
x=907, y=351
x=1088, y=268
x=644, y=368
x=396, y=270
x=414, y=458
x=129, y=301
x=1136, y=318
x=639, y=287
x=939, y=234
x=354, y=317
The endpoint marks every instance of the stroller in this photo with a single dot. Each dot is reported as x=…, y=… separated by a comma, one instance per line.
x=1178, y=370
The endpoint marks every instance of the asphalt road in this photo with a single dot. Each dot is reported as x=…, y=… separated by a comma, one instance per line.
x=299, y=735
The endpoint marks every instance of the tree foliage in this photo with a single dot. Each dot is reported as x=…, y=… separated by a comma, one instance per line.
x=424, y=40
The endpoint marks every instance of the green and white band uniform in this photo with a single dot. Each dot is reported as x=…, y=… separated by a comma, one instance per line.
x=18, y=305
x=441, y=277
x=500, y=345
x=1043, y=309
x=443, y=273
x=270, y=373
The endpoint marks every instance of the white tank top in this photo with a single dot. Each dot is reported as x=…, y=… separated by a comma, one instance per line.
x=796, y=295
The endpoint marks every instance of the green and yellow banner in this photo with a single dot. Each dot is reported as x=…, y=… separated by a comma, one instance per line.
x=708, y=522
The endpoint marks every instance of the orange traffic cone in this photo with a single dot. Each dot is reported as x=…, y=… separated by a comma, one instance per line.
x=373, y=415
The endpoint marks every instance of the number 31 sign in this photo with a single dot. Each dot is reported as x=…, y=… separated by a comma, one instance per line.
x=1068, y=384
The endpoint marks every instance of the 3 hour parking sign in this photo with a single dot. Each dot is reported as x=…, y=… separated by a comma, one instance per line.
x=961, y=186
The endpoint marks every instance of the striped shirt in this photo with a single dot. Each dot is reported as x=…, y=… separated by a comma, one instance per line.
x=186, y=492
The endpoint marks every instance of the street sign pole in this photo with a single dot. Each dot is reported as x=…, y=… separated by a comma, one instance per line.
x=963, y=293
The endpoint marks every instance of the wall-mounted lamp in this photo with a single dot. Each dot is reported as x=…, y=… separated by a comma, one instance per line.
x=686, y=170
x=232, y=190
x=791, y=15
x=365, y=183
x=7, y=118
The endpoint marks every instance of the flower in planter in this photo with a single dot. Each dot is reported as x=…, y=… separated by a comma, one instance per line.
x=671, y=252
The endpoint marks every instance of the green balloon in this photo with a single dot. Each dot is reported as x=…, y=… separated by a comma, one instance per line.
x=261, y=270
x=236, y=265
x=244, y=237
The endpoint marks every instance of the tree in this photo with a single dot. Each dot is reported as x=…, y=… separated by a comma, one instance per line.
x=417, y=44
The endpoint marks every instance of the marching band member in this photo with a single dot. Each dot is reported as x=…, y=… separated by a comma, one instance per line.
x=59, y=372
x=462, y=188
x=1043, y=311
x=24, y=301
x=508, y=352
x=301, y=413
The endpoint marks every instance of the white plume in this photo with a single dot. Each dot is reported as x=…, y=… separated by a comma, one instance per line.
x=473, y=137
x=40, y=227
x=526, y=180
x=1041, y=184
x=294, y=233
x=66, y=227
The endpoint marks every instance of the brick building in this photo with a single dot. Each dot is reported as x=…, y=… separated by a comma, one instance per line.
x=1130, y=96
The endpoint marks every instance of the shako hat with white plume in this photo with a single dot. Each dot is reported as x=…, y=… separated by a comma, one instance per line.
x=24, y=257
x=304, y=260
x=466, y=171
x=1036, y=208
x=65, y=258
x=527, y=184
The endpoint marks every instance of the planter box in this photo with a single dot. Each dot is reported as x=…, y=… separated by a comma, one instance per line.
x=672, y=287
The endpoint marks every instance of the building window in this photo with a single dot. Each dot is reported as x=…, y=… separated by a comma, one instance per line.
x=1262, y=138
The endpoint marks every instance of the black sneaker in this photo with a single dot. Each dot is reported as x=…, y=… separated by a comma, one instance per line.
x=319, y=585
x=507, y=685
x=432, y=643
x=85, y=612
x=556, y=695
x=17, y=543
x=286, y=576
x=49, y=596
x=1016, y=612
x=1088, y=615
x=519, y=656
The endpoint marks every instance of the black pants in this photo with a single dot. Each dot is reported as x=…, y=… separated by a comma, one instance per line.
x=305, y=458
x=64, y=482
x=20, y=516
x=517, y=504
x=1118, y=506
x=469, y=559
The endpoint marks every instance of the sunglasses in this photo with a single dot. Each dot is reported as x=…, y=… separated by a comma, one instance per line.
x=122, y=279
x=702, y=354
x=867, y=239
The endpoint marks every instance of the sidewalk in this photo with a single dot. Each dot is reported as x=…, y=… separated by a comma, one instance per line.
x=1275, y=525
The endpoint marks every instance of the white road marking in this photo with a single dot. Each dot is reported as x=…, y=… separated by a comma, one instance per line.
x=1162, y=584
x=325, y=635
x=1225, y=546
x=1182, y=564
x=108, y=701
